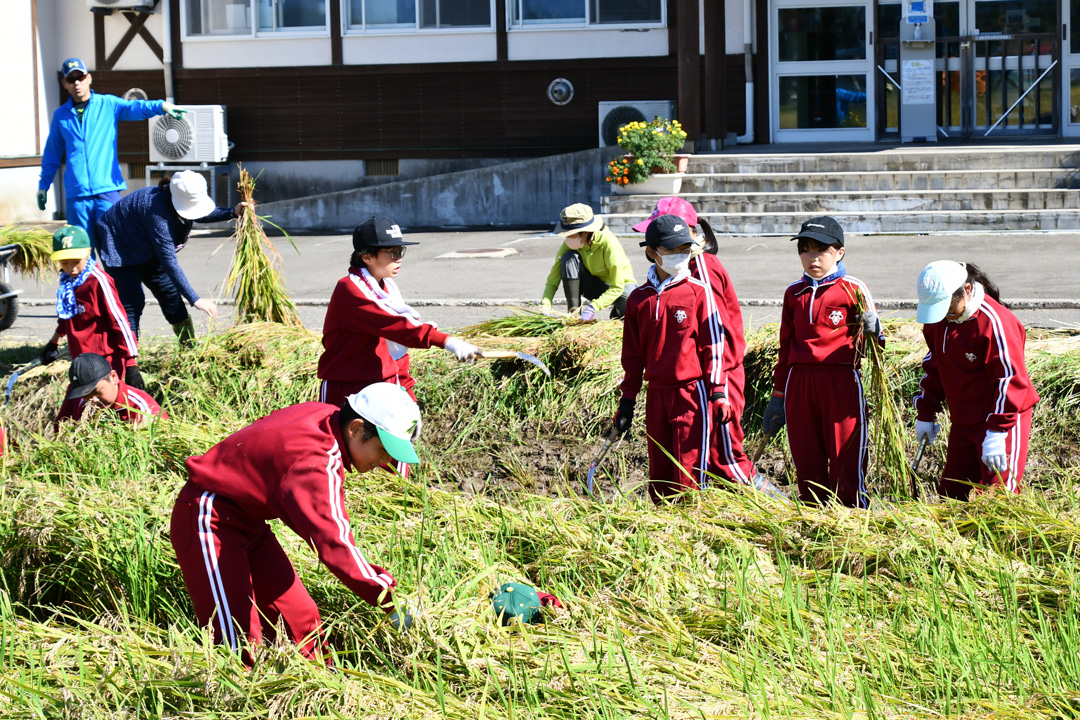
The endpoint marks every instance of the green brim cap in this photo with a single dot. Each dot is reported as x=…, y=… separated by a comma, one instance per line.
x=516, y=602
x=399, y=448
x=70, y=242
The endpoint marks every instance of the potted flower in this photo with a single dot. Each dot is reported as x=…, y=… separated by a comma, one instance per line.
x=651, y=164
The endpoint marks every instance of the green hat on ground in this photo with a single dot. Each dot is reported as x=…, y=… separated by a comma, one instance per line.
x=516, y=603
x=70, y=243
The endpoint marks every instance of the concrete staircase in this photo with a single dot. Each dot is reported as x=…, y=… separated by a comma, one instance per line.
x=906, y=190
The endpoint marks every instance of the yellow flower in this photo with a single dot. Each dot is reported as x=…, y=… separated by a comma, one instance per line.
x=640, y=162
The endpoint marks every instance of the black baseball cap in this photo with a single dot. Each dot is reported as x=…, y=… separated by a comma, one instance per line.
x=86, y=371
x=823, y=229
x=667, y=231
x=378, y=232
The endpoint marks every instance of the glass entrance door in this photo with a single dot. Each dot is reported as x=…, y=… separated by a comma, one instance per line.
x=820, y=53
x=1070, y=58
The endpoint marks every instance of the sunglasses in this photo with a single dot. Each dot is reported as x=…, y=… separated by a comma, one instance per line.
x=396, y=253
x=72, y=79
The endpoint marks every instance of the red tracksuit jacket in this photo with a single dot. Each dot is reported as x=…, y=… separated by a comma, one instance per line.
x=709, y=270
x=977, y=366
x=291, y=465
x=818, y=324
x=355, y=332
x=101, y=323
x=666, y=337
x=131, y=405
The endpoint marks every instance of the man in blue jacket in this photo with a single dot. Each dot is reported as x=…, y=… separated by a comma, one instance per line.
x=83, y=135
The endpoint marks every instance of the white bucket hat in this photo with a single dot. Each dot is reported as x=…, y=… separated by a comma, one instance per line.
x=189, y=197
x=394, y=414
x=937, y=283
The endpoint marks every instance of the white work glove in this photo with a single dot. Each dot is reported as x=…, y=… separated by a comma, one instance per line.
x=588, y=312
x=993, y=451
x=545, y=307
x=402, y=619
x=928, y=430
x=172, y=110
x=462, y=350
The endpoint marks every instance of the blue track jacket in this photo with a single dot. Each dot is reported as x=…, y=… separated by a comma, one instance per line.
x=89, y=146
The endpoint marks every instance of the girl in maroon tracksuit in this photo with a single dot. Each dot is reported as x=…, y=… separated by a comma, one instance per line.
x=368, y=328
x=727, y=458
x=666, y=339
x=975, y=363
x=817, y=386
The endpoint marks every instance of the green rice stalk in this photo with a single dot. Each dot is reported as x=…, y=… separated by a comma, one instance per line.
x=34, y=248
x=522, y=323
x=255, y=273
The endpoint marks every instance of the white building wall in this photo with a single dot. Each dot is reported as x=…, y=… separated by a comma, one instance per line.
x=237, y=52
x=560, y=44
x=419, y=48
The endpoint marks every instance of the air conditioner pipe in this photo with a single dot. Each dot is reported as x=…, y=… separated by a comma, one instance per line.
x=748, y=55
x=166, y=48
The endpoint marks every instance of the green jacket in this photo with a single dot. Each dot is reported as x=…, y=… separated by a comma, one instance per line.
x=605, y=259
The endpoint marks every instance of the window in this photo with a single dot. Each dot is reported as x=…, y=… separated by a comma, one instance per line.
x=410, y=14
x=234, y=17
x=585, y=12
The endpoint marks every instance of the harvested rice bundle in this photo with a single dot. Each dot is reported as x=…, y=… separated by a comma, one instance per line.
x=34, y=248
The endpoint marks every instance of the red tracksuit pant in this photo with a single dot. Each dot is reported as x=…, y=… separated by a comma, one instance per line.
x=727, y=459
x=334, y=393
x=239, y=578
x=828, y=433
x=677, y=420
x=963, y=459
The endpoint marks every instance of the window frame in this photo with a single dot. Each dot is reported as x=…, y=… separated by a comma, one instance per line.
x=255, y=33
x=589, y=24
x=348, y=29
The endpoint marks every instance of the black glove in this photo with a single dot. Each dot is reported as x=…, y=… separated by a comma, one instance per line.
x=723, y=413
x=625, y=416
x=49, y=353
x=134, y=378
x=774, y=417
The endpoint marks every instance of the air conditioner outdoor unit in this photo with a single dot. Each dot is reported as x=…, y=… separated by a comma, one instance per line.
x=614, y=115
x=196, y=138
x=141, y=5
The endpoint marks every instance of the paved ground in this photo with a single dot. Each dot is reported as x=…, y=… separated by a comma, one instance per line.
x=1037, y=266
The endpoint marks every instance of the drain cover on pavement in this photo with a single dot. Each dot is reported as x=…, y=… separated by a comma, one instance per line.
x=478, y=253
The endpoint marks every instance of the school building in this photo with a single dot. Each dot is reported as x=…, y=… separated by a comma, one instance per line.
x=329, y=94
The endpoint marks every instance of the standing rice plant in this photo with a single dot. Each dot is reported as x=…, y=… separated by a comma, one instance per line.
x=34, y=248
x=255, y=273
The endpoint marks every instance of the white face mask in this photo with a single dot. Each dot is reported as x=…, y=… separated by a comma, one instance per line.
x=676, y=263
x=574, y=242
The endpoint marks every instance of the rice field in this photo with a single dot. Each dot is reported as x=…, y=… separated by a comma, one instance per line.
x=729, y=605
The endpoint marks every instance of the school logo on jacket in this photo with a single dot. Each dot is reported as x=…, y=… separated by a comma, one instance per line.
x=836, y=317
x=970, y=357
x=680, y=315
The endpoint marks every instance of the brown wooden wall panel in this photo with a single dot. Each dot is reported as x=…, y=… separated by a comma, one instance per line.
x=497, y=109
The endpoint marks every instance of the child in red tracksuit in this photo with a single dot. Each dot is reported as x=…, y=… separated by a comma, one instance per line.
x=976, y=364
x=666, y=339
x=817, y=386
x=290, y=465
x=727, y=458
x=368, y=328
x=90, y=314
x=94, y=382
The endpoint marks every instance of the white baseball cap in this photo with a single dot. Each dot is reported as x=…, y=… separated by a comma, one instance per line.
x=394, y=414
x=937, y=283
x=189, y=198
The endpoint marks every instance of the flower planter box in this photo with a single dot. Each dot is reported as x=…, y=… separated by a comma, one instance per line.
x=658, y=184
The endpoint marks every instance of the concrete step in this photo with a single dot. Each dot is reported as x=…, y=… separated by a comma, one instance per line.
x=876, y=223
x=861, y=202
x=881, y=180
x=895, y=160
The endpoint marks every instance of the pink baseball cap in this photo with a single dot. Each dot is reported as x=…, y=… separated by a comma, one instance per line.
x=670, y=206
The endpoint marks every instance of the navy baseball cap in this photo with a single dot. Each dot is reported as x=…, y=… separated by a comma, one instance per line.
x=378, y=232
x=823, y=229
x=667, y=231
x=73, y=64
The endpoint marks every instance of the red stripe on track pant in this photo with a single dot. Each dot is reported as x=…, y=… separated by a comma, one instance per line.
x=676, y=420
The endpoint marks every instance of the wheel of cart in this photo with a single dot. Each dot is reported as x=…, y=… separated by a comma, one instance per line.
x=9, y=299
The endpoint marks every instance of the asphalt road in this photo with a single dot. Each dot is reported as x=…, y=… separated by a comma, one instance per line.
x=473, y=287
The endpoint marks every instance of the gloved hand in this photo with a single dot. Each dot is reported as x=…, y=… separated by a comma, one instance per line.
x=462, y=350
x=723, y=413
x=871, y=324
x=49, y=353
x=172, y=110
x=545, y=307
x=624, y=418
x=929, y=430
x=775, y=417
x=42, y=198
x=402, y=619
x=134, y=378
x=588, y=312
x=993, y=451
